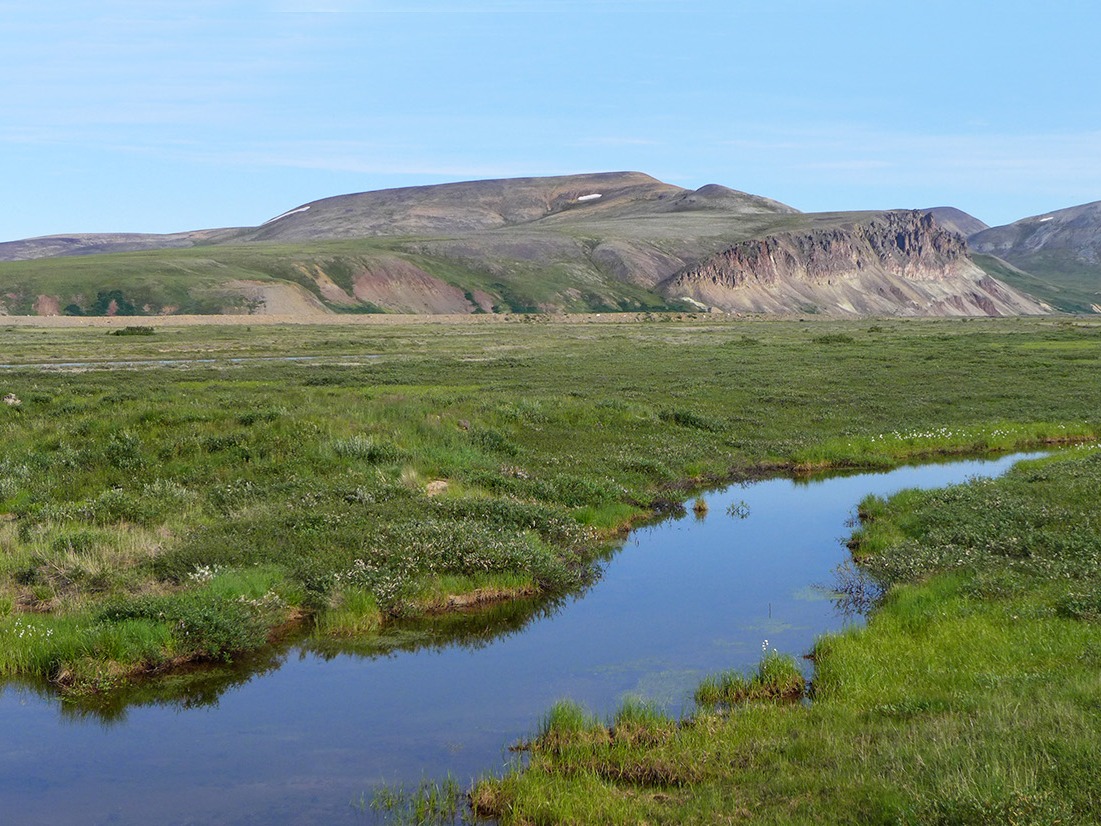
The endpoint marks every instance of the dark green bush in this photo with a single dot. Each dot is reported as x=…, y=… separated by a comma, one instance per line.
x=492, y=440
x=687, y=418
x=204, y=626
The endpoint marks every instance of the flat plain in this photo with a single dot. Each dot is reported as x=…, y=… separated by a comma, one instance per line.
x=174, y=494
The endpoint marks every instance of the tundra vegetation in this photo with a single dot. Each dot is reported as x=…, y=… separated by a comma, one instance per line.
x=970, y=697
x=190, y=511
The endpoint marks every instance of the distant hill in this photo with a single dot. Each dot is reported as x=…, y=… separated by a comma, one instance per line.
x=54, y=246
x=957, y=220
x=448, y=209
x=1062, y=249
x=596, y=242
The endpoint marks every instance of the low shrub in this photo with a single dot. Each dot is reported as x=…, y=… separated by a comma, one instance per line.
x=202, y=626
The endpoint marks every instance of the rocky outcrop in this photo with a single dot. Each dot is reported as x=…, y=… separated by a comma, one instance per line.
x=956, y=220
x=894, y=263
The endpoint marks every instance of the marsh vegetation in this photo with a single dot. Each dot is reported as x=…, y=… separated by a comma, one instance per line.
x=969, y=697
x=157, y=516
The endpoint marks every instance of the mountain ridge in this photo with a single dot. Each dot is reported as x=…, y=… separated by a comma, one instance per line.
x=1061, y=248
x=604, y=241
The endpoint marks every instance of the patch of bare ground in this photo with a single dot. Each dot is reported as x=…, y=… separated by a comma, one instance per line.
x=336, y=319
x=47, y=305
x=279, y=299
x=478, y=598
x=392, y=282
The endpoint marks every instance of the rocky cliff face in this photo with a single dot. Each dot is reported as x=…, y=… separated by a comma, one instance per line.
x=894, y=263
x=576, y=243
x=956, y=220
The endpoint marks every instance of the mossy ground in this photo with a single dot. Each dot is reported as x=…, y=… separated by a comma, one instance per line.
x=162, y=514
x=970, y=697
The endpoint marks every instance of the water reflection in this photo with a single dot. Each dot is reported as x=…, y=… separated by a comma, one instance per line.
x=473, y=630
x=203, y=685
x=295, y=733
x=854, y=592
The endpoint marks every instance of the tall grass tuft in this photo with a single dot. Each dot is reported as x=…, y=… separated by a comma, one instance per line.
x=886, y=449
x=778, y=678
x=352, y=612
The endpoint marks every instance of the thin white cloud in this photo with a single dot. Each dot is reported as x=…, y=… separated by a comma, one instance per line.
x=495, y=7
x=350, y=157
x=997, y=175
x=844, y=148
x=614, y=141
x=852, y=165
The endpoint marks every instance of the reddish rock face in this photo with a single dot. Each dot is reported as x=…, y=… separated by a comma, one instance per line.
x=47, y=305
x=896, y=263
x=576, y=243
x=394, y=283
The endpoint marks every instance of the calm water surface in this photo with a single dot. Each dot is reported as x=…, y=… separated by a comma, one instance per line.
x=301, y=735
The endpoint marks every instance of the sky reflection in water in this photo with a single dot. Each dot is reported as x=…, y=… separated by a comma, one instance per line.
x=306, y=731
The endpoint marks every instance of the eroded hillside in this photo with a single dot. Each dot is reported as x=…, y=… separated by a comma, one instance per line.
x=620, y=241
x=895, y=263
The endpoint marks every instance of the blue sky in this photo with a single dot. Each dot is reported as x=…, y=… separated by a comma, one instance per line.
x=159, y=116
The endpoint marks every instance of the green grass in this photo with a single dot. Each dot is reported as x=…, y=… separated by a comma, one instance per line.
x=155, y=516
x=778, y=678
x=970, y=697
x=430, y=803
x=884, y=449
x=234, y=497
x=201, y=279
x=352, y=612
x=1061, y=279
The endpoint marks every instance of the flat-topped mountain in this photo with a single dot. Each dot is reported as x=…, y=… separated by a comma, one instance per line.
x=54, y=246
x=440, y=209
x=449, y=209
x=596, y=242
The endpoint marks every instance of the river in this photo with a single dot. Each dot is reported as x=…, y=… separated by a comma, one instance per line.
x=299, y=734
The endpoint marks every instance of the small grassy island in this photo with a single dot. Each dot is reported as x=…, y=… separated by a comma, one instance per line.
x=188, y=493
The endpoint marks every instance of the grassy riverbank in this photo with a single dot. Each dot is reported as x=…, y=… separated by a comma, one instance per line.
x=151, y=516
x=972, y=695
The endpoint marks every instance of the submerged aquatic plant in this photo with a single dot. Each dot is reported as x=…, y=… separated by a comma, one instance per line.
x=430, y=803
x=739, y=509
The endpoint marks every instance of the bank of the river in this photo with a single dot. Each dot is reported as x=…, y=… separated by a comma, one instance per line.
x=294, y=733
x=158, y=516
x=971, y=696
